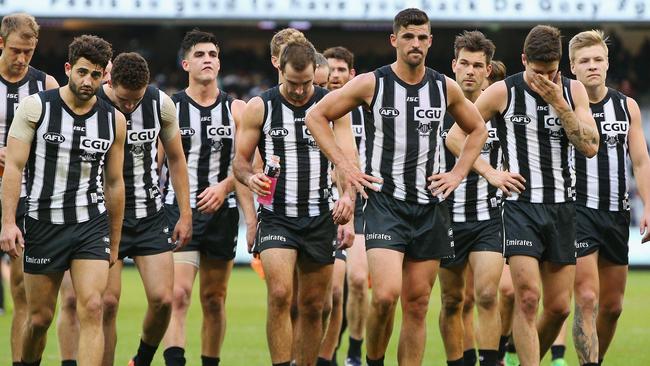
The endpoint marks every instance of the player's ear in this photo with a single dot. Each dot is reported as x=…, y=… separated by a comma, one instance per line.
x=185, y=65
x=353, y=73
x=67, y=67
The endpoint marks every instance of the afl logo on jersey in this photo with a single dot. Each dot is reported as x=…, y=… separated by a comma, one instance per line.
x=278, y=132
x=187, y=131
x=519, y=119
x=53, y=137
x=388, y=112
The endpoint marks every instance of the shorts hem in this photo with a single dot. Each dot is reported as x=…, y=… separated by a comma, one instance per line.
x=144, y=253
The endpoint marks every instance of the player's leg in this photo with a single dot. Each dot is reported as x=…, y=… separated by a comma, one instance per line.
x=613, y=277
x=506, y=305
x=213, y=278
x=111, y=301
x=526, y=279
x=469, y=353
x=67, y=324
x=19, y=316
x=587, y=288
x=557, y=284
x=331, y=338
x=559, y=348
x=357, y=303
x=452, y=292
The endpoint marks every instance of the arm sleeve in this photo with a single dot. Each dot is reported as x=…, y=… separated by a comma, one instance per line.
x=25, y=119
x=169, y=122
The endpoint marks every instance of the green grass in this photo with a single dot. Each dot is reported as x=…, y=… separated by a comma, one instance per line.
x=245, y=342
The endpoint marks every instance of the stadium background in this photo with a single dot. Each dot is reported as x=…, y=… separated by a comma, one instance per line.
x=244, y=28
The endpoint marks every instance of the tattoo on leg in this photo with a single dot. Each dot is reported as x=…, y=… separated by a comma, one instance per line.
x=586, y=344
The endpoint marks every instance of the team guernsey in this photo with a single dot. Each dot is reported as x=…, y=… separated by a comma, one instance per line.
x=304, y=186
x=474, y=199
x=535, y=144
x=142, y=196
x=64, y=169
x=401, y=143
x=360, y=117
x=601, y=182
x=208, y=136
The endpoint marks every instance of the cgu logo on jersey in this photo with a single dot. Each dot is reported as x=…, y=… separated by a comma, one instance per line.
x=426, y=117
x=519, y=119
x=95, y=145
x=309, y=140
x=554, y=125
x=220, y=132
x=613, y=127
x=492, y=141
x=357, y=130
x=53, y=137
x=141, y=136
x=278, y=132
x=388, y=112
x=187, y=131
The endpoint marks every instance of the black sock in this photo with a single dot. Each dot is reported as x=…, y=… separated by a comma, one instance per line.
x=600, y=361
x=69, y=363
x=16, y=364
x=323, y=362
x=557, y=351
x=590, y=364
x=145, y=354
x=502, y=347
x=210, y=361
x=355, y=348
x=35, y=363
x=174, y=356
x=288, y=363
x=510, y=346
x=378, y=362
x=458, y=362
x=469, y=357
x=487, y=357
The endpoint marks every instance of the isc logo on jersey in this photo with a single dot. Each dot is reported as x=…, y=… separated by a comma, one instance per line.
x=95, y=145
x=141, y=136
x=554, y=124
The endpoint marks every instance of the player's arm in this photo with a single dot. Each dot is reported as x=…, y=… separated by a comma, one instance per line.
x=469, y=120
x=640, y=164
x=578, y=123
x=331, y=108
x=19, y=144
x=248, y=138
x=170, y=139
x=50, y=82
x=489, y=103
x=344, y=210
x=114, y=185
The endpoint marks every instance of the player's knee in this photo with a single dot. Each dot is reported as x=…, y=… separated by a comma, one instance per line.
x=611, y=310
x=91, y=310
x=416, y=308
x=161, y=304
x=313, y=304
x=39, y=321
x=586, y=300
x=452, y=302
x=529, y=302
x=111, y=304
x=507, y=294
x=357, y=282
x=486, y=297
x=280, y=297
x=558, y=309
x=69, y=303
x=328, y=305
x=181, y=297
x=384, y=302
x=337, y=296
x=213, y=302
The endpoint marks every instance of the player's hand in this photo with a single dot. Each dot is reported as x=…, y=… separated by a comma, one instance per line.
x=115, y=251
x=644, y=227
x=211, y=199
x=506, y=181
x=343, y=209
x=345, y=236
x=550, y=91
x=260, y=184
x=11, y=240
x=251, y=231
x=182, y=233
x=444, y=183
x=3, y=155
x=351, y=175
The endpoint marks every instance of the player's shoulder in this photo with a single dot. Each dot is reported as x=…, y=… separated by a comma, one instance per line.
x=179, y=96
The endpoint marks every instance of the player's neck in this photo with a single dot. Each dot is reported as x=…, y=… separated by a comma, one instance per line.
x=8, y=75
x=204, y=94
x=596, y=93
x=473, y=96
x=284, y=94
x=77, y=105
x=409, y=74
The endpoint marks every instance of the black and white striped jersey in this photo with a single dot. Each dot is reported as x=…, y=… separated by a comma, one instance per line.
x=601, y=182
x=208, y=136
x=10, y=95
x=402, y=142
x=304, y=185
x=474, y=199
x=142, y=195
x=535, y=145
x=65, y=165
x=360, y=117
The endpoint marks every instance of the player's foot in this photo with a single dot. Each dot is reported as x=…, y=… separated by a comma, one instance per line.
x=559, y=362
x=353, y=361
x=511, y=359
x=256, y=264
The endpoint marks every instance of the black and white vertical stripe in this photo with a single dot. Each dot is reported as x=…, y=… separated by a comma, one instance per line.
x=208, y=135
x=142, y=196
x=474, y=199
x=66, y=160
x=360, y=117
x=535, y=145
x=402, y=142
x=304, y=185
x=601, y=182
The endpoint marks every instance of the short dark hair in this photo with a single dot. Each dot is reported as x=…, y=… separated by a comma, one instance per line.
x=498, y=72
x=474, y=41
x=196, y=36
x=340, y=53
x=299, y=54
x=321, y=61
x=92, y=48
x=543, y=44
x=410, y=16
x=130, y=70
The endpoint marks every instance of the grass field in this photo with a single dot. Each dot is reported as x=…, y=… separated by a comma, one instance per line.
x=245, y=342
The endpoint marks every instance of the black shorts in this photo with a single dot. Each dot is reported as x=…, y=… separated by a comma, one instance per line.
x=313, y=237
x=50, y=248
x=545, y=231
x=341, y=254
x=607, y=232
x=146, y=236
x=213, y=235
x=474, y=236
x=419, y=231
x=359, y=223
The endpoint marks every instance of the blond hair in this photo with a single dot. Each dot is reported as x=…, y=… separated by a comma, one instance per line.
x=284, y=37
x=22, y=23
x=588, y=38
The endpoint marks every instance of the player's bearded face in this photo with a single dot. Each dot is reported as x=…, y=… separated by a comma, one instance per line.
x=85, y=78
x=547, y=69
x=412, y=43
x=471, y=70
x=298, y=84
x=590, y=65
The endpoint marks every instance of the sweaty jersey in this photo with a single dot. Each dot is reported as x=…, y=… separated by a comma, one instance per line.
x=535, y=144
x=208, y=136
x=402, y=140
x=304, y=185
x=144, y=125
x=474, y=199
x=601, y=182
x=66, y=160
